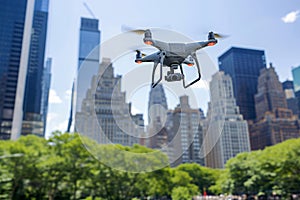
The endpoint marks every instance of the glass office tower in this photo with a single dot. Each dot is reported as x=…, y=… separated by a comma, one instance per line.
x=243, y=66
x=12, y=31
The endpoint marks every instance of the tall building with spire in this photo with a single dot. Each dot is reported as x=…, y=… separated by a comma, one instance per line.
x=88, y=60
x=275, y=122
x=157, y=116
x=226, y=132
x=243, y=66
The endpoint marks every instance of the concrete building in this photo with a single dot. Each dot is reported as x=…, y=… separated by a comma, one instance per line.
x=157, y=116
x=104, y=114
x=275, y=123
x=226, y=132
x=187, y=131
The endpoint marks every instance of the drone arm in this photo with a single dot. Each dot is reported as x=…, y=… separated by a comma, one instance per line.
x=157, y=44
x=194, y=46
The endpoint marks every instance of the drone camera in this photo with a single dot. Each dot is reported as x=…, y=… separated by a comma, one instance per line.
x=174, y=77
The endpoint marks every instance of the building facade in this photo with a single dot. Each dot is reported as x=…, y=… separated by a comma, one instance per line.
x=46, y=88
x=292, y=101
x=296, y=81
x=243, y=66
x=33, y=119
x=157, y=116
x=187, y=133
x=23, y=33
x=88, y=59
x=275, y=123
x=296, y=78
x=226, y=132
x=104, y=114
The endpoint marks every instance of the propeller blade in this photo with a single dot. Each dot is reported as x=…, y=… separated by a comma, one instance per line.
x=221, y=36
x=129, y=29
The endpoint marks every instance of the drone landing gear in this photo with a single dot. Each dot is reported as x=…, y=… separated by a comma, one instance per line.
x=198, y=69
x=162, y=58
x=171, y=75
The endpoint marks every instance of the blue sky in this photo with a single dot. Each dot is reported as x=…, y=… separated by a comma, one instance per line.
x=269, y=25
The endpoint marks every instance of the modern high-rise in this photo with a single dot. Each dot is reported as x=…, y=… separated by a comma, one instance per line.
x=88, y=61
x=275, y=122
x=104, y=114
x=292, y=101
x=296, y=81
x=226, y=132
x=296, y=78
x=157, y=116
x=46, y=88
x=23, y=31
x=33, y=120
x=243, y=66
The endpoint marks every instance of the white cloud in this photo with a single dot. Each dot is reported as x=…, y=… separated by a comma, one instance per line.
x=290, y=17
x=54, y=98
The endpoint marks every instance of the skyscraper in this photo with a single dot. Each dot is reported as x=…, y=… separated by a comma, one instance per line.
x=89, y=59
x=157, y=116
x=226, y=132
x=16, y=18
x=243, y=66
x=275, y=122
x=292, y=101
x=296, y=78
x=112, y=113
x=33, y=121
x=187, y=129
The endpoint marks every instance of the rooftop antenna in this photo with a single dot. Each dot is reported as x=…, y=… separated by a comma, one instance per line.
x=89, y=10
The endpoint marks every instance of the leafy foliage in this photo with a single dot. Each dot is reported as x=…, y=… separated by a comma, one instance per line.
x=62, y=168
x=273, y=170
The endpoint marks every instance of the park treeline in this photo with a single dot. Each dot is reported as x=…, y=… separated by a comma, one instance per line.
x=61, y=168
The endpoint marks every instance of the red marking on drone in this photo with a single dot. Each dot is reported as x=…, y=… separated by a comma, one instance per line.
x=148, y=42
x=211, y=44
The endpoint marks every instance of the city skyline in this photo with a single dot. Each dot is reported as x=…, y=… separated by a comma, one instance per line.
x=62, y=44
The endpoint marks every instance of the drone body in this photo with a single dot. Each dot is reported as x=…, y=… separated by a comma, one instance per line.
x=173, y=55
